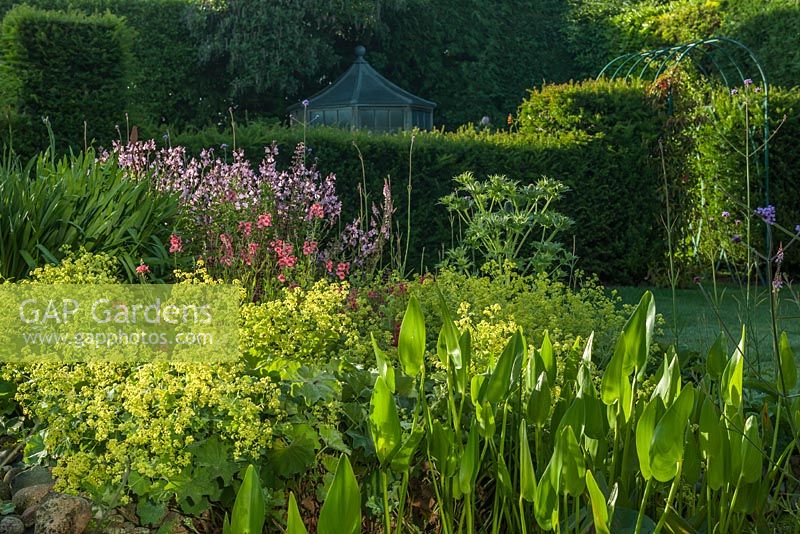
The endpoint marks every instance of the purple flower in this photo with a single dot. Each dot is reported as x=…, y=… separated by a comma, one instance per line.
x=696, y=279
x=779, y=256
x=767, y=213
x=797, y=229
x=777, y=283
x=748, y=82
x=726, y=214
x=736, y=238
x=224, y=146
x=305, y=103
x=485, y=120
x=757, y=89
x=734, y=91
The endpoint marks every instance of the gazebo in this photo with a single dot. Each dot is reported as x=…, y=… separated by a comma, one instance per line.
x=362, y=99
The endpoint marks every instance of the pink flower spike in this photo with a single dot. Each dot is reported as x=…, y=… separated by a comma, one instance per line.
x=175, y=244
x=315, y=211
x=246, y=228
x=264, y=221
x=142, y=269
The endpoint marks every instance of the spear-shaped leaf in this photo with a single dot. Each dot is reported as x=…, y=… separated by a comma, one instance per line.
x=599, y=507
x=788, y=376
x=341, y=511
x=411, y=342
x=294, y=524
x=527, y=476
x=384, y=423
x=385, y=369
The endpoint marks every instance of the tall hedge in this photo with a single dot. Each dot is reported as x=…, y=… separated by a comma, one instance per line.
x=69, y=68
x=614, y=218
x=166, y=85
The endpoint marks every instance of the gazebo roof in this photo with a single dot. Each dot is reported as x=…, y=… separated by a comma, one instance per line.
x=361, y=85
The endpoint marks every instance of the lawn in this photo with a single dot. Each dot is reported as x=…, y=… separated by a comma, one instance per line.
x=699, y=321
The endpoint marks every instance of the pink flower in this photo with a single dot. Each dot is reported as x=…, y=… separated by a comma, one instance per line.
x=309, y=247
x=342, y=269
x=329, y=266
x=227, y=250
x=264, y=221
x=175, y=244
x=282, y=278
x=246, y=228
x=315, y=211
x=142, y=269
x=250, y=255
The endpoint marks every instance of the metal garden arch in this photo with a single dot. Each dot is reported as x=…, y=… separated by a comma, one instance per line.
x=732, y=61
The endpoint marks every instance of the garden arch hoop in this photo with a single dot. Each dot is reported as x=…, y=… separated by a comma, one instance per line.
x=729, y=58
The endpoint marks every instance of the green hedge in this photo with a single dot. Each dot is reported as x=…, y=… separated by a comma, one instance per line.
x=614, y=210
x=718, y=172
x=166, y=83
x=67, y=67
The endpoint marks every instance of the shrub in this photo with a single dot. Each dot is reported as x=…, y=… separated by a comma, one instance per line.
x=617, y=242
x=165, y=81
x=266, y=227
x=77, y=202
x=492, y=306
x=327, y=322
x=68, y=68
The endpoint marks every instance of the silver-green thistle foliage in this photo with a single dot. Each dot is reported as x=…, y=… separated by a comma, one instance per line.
x=506, y=221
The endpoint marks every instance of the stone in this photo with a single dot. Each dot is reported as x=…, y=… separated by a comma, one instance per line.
x=11, y=473
x=31, y=477
x=29, y=516
x=11, y=525
x=30, y=496
x=63, y=514
x=5, y=491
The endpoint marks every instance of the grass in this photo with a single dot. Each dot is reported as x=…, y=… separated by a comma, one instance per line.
x=695, y=322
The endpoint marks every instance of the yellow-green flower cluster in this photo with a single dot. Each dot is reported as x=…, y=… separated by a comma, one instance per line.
x=489, y=332
x=302, y=327
x=104, y=420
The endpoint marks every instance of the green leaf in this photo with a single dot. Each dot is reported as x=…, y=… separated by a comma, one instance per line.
x=669, y=387
x=484, y=415
x=644, y=436
x=385, y=368
x=545, y=506
x=298, y=455
x=333, y=438
x=440, y=445
x=599, y=508
x=612, y=383
x=732, y=376
x=498, y=386
x=503, y=476
x=294, y=523
x=341, y=511
x=540, y=401
x=468, y=470
x=638, y=334
x=150, y=513
x=666, y=447
x=248, y=514
x=548, y=357
x=527, y=476
x=450, y=335
x=717, y=357
x=788, y=376
x=384, y=423
x=401, y=460
x=752, y=456
x=574, y=466
x=711, y=437
x=411, y=342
